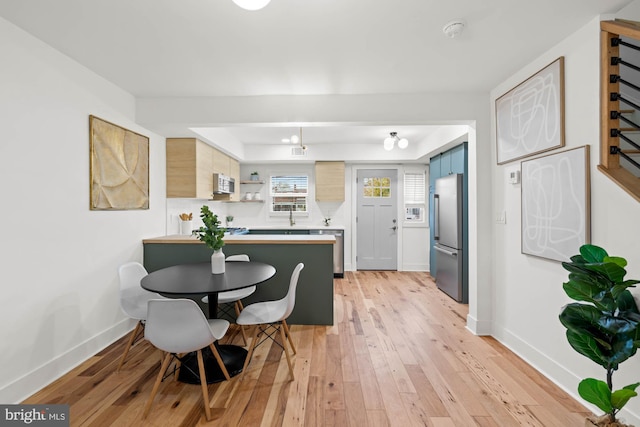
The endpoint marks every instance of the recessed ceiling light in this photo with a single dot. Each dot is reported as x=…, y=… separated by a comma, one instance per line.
x=286, y=140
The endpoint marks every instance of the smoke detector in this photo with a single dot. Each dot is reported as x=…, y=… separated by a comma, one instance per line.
x=454, y=28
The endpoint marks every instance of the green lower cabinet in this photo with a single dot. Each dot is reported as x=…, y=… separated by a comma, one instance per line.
x=314, y=297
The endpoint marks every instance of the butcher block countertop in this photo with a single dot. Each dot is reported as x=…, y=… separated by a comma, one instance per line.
x=250, y=239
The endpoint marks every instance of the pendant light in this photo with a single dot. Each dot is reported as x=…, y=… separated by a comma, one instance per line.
x=392, y=139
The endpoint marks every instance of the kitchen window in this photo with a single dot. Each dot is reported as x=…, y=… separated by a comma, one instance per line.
x=289, y=193
x=414, y=197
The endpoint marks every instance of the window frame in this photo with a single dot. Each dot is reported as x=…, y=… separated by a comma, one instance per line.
x=416, y=203
x=272, y=195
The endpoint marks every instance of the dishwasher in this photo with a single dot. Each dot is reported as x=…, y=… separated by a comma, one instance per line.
x=338, y=249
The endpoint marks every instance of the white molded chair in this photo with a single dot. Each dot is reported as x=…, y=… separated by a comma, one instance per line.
x=272, y=314
x=235, y=296
x=178, y=326
x=133, y=300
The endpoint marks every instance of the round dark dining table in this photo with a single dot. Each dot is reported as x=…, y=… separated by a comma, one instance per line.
x=197, y=280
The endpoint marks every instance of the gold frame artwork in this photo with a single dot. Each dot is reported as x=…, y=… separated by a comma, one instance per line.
x=118, y=168
x=530, y=117
x=556, y=204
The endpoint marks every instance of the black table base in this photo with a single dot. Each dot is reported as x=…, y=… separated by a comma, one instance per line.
x=233, y=357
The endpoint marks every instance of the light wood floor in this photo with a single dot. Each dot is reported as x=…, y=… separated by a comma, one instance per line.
x=398, y=354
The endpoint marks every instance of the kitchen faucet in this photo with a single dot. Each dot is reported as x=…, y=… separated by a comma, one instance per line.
x=292, y=221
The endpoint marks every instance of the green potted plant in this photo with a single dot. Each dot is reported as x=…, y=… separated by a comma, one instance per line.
x=213, y=236
x=255, y=176
x=229, y=220
x=602, y=325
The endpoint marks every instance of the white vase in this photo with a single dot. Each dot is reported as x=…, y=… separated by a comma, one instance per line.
x=217, y=262
x=186, y=227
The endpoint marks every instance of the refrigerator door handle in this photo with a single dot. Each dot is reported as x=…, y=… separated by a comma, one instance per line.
x=439, y=249
x=436, y=219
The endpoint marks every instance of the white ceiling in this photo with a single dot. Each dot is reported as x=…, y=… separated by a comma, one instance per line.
x=198, y=48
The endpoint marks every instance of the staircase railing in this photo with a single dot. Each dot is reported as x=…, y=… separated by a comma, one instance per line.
x=619, y=151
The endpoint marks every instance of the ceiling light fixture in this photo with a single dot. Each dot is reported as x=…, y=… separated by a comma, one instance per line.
x=392, y=139
x=454, y=28
x=251, y=4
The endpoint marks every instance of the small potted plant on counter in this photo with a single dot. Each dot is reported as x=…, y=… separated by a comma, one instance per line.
x=255, y=176
x=603, y=326
x=229, y=220
x=213, y=236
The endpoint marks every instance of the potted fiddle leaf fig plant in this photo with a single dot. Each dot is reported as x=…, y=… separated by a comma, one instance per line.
x=213, y=236
x=603, y=326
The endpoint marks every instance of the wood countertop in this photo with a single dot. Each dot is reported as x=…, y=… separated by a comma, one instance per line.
x=251, y=239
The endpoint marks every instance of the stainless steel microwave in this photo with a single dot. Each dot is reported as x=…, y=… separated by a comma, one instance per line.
x=223, y=184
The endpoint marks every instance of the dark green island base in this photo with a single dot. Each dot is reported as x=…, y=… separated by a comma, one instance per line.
x=314, y=297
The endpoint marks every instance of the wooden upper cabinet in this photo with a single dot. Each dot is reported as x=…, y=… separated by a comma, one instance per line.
x=191, y=164
x=330, y=181
x=221, y=162
x=189, y=168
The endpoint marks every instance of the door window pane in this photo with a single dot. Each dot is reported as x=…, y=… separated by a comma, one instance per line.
x=377, y=187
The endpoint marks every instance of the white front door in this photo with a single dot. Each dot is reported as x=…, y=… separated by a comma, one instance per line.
x=377, y=222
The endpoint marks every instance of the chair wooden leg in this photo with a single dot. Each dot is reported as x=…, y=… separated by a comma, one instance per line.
x=223, y=368
x=286, y=352
x=203, y=383
x=135, y=332
x=286, y=329
x=254, y=341
x=238, y=307
x=163, y=368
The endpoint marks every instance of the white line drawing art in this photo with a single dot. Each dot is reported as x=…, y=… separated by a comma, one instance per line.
x=555, y=204
x=530, y=117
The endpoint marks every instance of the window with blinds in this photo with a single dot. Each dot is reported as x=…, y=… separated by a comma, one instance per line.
x=289, y=193
x=414, y=196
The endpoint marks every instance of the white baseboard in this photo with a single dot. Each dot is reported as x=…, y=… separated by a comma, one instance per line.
x=415, y=267
x=556, y=373
x=479, y=327
x=20, y=389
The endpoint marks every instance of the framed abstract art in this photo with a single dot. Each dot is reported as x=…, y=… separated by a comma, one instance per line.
x=556, y=204
x=530, y=117
x=119, y=167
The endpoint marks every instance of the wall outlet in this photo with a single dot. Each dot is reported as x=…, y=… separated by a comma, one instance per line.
x=501, y=217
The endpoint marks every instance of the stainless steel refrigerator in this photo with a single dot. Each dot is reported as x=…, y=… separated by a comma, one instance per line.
x=448, y=236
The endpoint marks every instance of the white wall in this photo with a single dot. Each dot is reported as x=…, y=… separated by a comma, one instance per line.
x=528, y=292
x=59, y=301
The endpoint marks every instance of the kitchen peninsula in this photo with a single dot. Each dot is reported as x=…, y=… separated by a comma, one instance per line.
x=314, y=297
